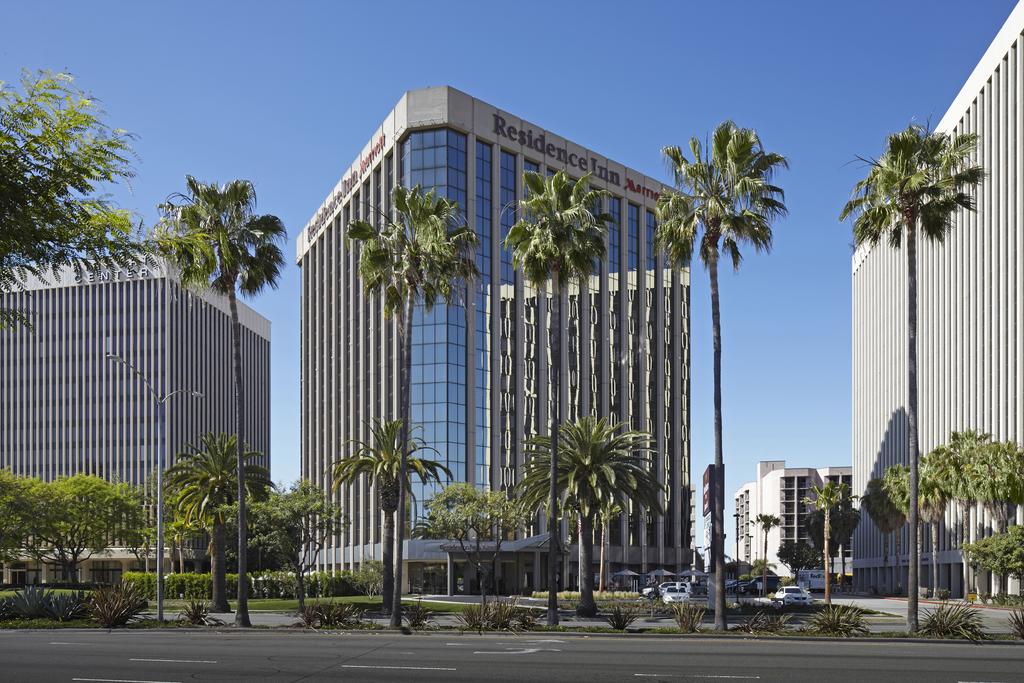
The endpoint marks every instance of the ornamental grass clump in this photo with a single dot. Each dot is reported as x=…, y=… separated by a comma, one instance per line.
x=953, y=621
x=417, y=617
x=197, y=613
x=115, y=606
x=1017, y=623
x=845, y=621
x=762, y=622
x=688, y=617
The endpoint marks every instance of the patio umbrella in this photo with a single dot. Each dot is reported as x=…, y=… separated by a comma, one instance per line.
x=625, y=572
x=660, y=572
x=692, y=572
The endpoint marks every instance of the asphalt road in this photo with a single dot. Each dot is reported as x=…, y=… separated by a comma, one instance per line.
x=179, y=656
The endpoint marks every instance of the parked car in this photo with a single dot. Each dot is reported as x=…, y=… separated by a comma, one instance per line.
x=656, y=589
x=793, y=595
x=681, y=592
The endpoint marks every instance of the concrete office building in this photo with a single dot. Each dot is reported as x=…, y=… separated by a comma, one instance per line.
x=66, y=409
x=970, y=318
x=780, y=491
x=479, y=378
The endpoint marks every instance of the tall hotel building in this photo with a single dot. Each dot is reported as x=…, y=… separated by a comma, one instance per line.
x=971, y=323
x=479, y=376
x=66, y=408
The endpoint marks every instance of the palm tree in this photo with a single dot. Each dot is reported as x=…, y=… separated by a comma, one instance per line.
x=918, y=185
x=885, y=514
x=724, y=198
x=238, y=251
x=559, y=238
x=599, y=464
x=380, y=461
x=766, y=522
x=182, y=529
x=205, y=484
x=934, y=498
x=896, y=481
x=422, y=256
x=608, y=512
x=826, y=498
x=844, y=521
x=954, y=463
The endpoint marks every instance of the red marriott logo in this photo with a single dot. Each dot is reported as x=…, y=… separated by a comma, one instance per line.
x=347, y=184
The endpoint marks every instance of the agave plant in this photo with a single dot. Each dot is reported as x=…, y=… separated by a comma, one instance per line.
x=338, y=615
x=66, y=606
x=953, y=621
x=7, y=609
x=30, y=603
x=197, y=613
x=840, y=620
x=762, y=622
x=417, y=617
x=115, y=606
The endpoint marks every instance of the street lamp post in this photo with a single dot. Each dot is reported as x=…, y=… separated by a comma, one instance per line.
x=161, y=403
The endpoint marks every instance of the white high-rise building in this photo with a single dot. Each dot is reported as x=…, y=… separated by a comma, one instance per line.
x=66, y=408
x=970, y=324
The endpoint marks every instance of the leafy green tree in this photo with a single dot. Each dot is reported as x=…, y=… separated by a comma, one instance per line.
x=1001, y=553
x=421, y=256
x=12, y=507
x=369, y=578
x=765, y=522
x=292, y=527
x=204, y=485
x=724, y=199
x=918, y=185
x=479, y=521
x=67, y=521
x=798, y=556
x=600, y=465
x=827, y=498
x=884, y=513
x=182, y=530
x=218, y=242
x=57, y=157
x=380, y=462
x=558, y=238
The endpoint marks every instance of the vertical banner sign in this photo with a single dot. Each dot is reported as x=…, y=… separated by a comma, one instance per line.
x=709, y=508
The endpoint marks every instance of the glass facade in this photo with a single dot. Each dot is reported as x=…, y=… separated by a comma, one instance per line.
x=436, y=160
x=482, y=366
x=507, y=360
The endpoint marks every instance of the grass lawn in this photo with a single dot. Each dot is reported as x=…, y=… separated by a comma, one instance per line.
x=286, y=605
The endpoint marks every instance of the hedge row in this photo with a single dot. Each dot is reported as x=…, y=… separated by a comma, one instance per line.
x=261, y=585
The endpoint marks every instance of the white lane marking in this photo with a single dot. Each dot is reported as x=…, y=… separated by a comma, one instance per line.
x=404, y=668
x=178, y=661
x=58, y=643
x=701, y=676
x=523, y=651
x=120, y=680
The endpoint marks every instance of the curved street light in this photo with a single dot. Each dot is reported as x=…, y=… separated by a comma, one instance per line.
x=161, y=401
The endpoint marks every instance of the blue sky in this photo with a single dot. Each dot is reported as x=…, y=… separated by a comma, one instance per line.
x=286, y=94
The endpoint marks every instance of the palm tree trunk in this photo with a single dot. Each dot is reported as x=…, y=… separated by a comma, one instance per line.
x=600, y=564
x=842, y=562
x=405, y=354
x=915, y=552
x=554, y=386
x=388, y=559
x=587, y=606
x=718, y=523
x=885, y=557
x=764, y=569
x=828, y=558
x=242, y=608
x=220, y=599
x=965, y=536
x=935, y=558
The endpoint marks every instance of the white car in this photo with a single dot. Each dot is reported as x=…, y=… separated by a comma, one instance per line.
x=646, y=592
x=793, y=595
x=677, y=592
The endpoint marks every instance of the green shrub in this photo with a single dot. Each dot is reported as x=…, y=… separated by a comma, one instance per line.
x=197, y=613
x=620, y=617
x=840, y=620
x=30, y=603
x=497, y=615
x=117, y=605
x=688, y=617
x=942, y=594
x=953, y=621
x=1017, y=623
x=338, y=615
